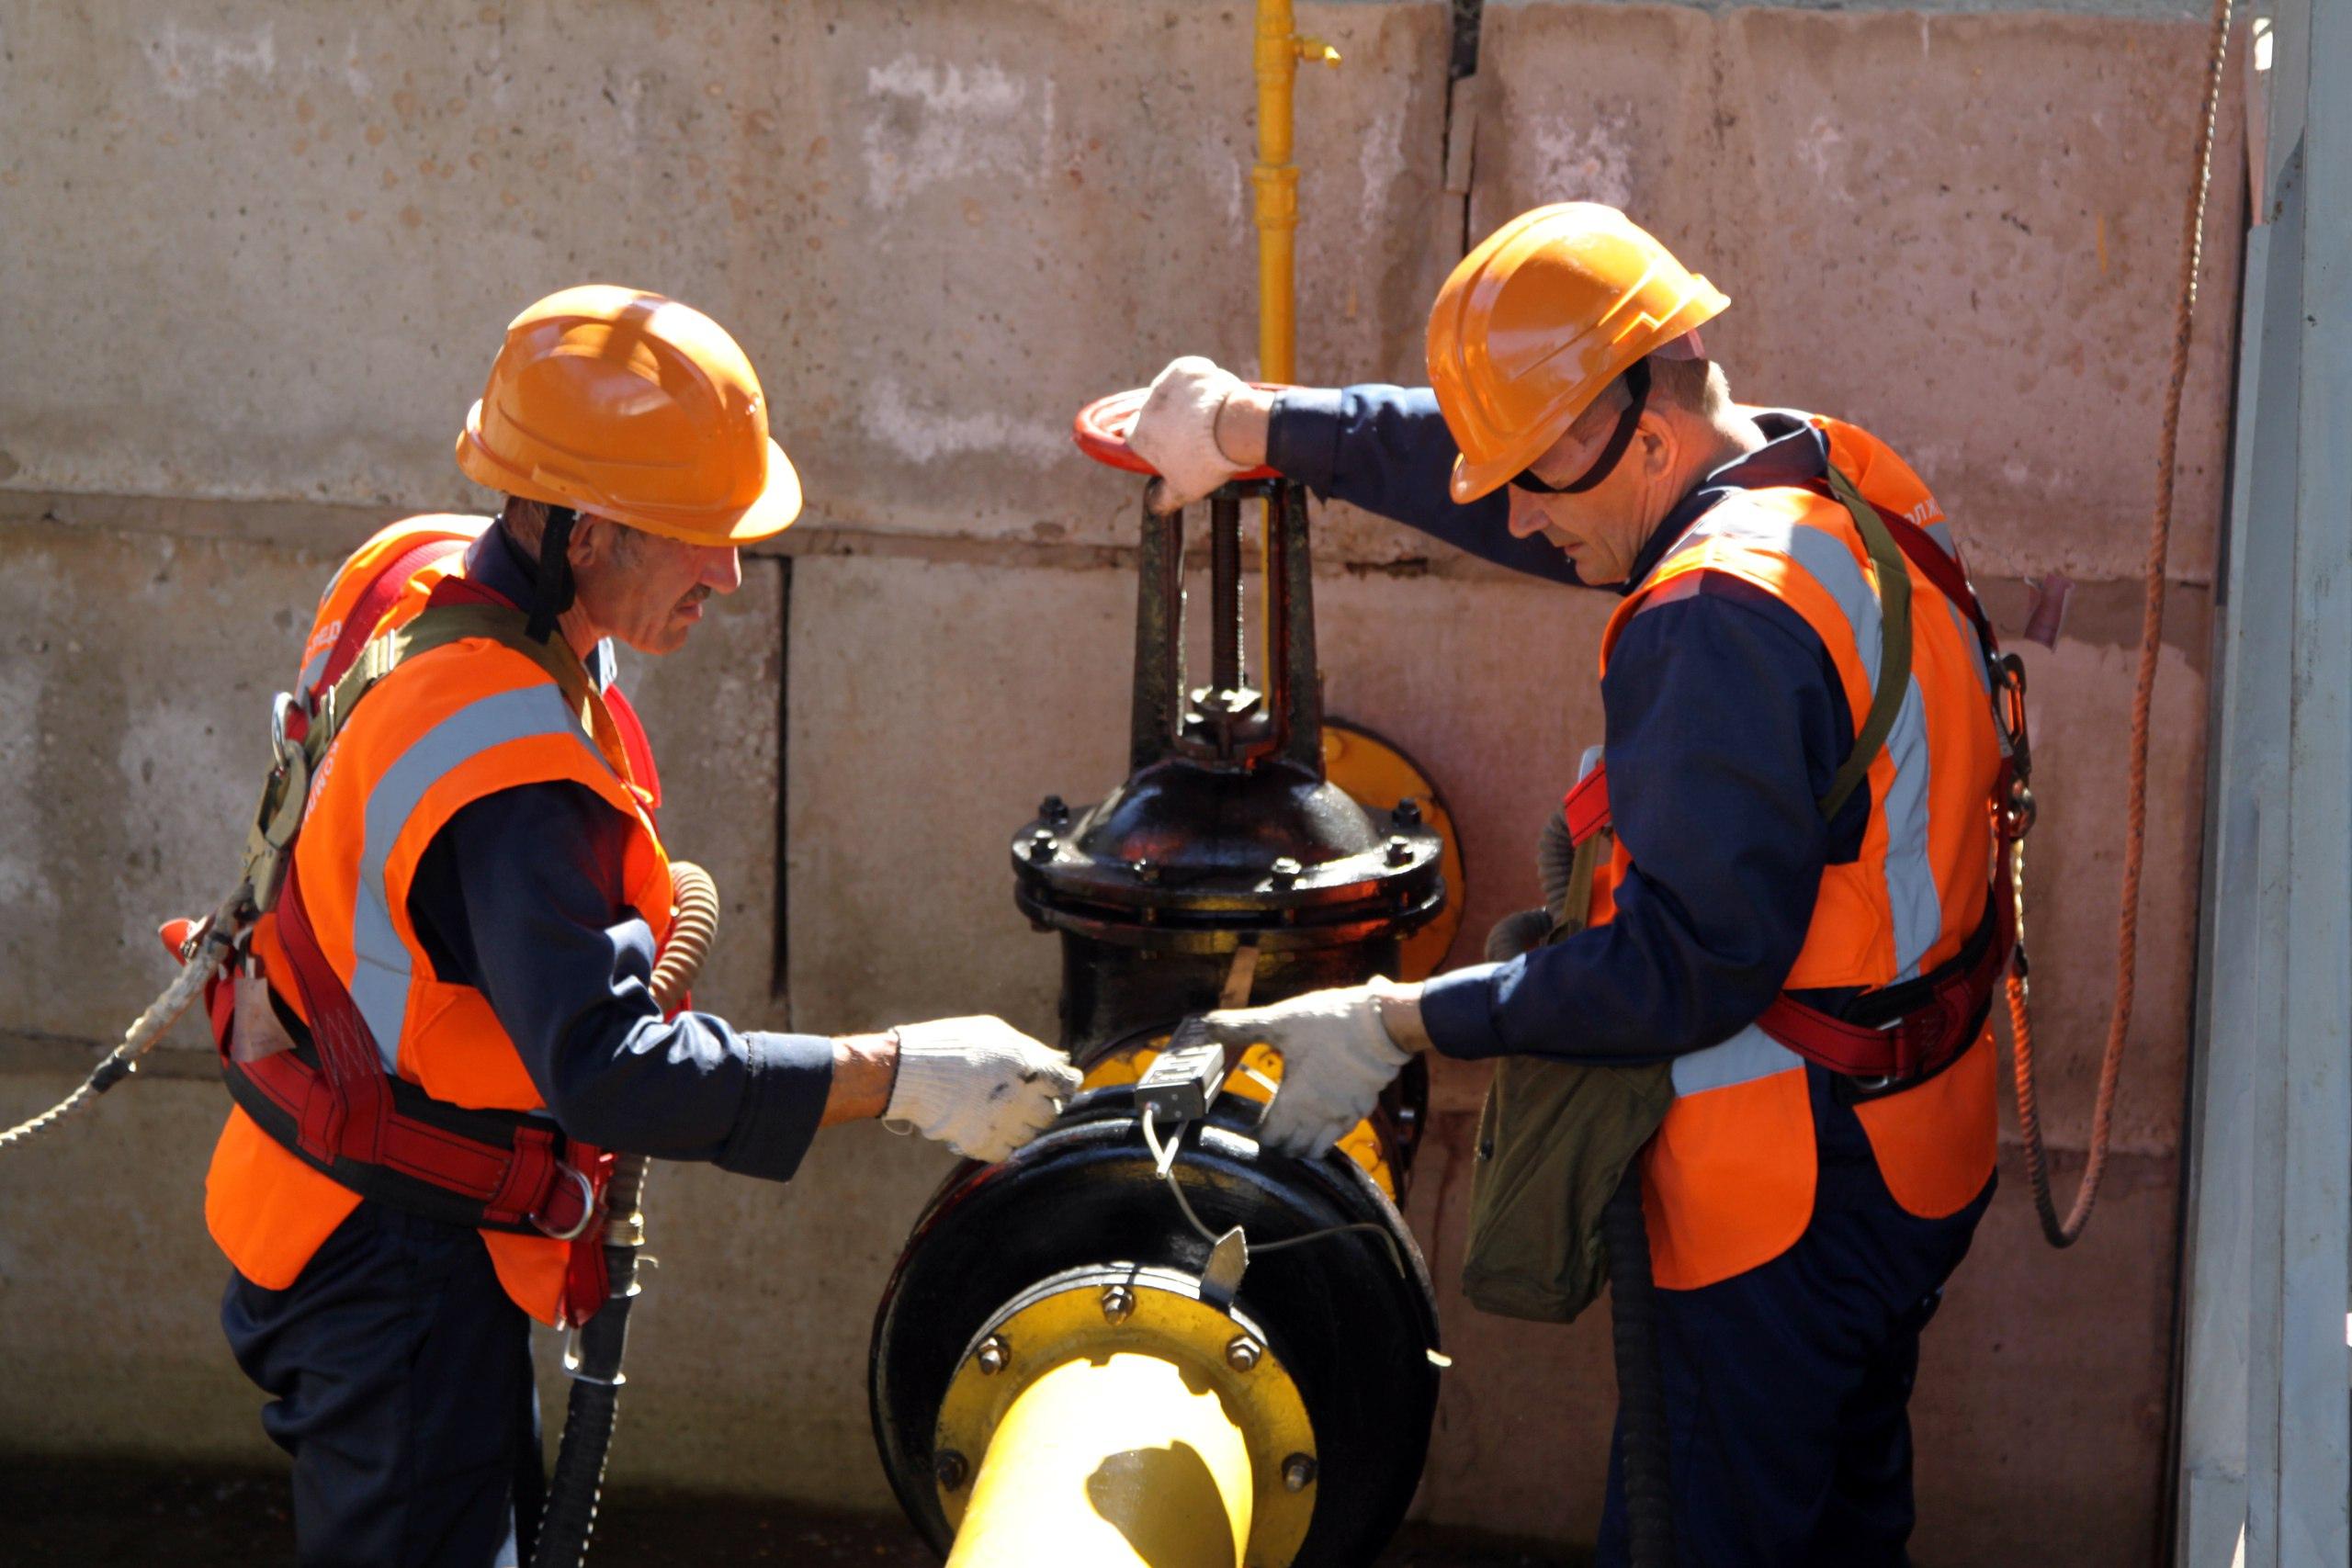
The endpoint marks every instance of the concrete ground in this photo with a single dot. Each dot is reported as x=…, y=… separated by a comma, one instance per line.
x=81, y=1512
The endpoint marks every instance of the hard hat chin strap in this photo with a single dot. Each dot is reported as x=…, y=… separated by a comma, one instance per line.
x=1638, y=397
x=552, y=593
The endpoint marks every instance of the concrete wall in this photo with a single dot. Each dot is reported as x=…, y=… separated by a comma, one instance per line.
x=254, y=257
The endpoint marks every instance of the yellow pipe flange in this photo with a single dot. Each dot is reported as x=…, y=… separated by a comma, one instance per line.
x=1379, y=774
x=1089, y=1319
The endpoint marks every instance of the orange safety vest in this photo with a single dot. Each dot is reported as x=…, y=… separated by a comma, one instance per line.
x=1728, y=1180
x=445, y=728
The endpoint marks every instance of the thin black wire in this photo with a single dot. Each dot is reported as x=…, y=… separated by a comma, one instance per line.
x=1163, y=1159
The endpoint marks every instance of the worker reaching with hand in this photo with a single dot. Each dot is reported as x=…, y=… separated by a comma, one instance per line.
x=1796, y=916
x=446, y=1015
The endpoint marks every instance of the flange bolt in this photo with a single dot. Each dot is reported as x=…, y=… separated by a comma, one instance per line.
x=993, y=1355
x=1053, y=809
x=1406, y=813
x=1041, y=846
x=1118, y=1304
x=949, y=1466
x=1242, y=1353
x=1145, y=871
x=1298, y=1472
x=1284, y=872
x=1400, y=849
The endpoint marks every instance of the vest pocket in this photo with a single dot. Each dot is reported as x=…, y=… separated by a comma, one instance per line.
x=1935, y=1144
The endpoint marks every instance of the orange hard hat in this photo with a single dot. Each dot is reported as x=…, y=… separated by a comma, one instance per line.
x=633, y=407
x=1550, y=309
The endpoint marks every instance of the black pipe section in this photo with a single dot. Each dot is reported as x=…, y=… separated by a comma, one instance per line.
x=1352, y=1317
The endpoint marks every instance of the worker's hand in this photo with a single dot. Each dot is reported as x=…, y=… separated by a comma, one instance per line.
x=978, y=1085
x=1337, y=1057
x=1175, y=432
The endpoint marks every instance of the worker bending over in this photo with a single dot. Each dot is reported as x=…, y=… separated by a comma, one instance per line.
x=1757, y=916
x=455, y=978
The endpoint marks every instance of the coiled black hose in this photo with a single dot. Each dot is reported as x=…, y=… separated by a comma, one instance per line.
x=1641, y=1391
x=595, y=1361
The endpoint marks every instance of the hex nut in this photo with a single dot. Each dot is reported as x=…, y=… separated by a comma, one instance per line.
x=951, y=1471
x=1298, y=1472
x=1406, y=813
x=1400, y=849
x=993, y=1355
x=1242, y=1353
x=1118, y=1304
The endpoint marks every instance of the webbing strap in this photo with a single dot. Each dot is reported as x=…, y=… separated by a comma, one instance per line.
x=377, y=601
x=347, y=1122
x=1894, y=642
x=440, y=624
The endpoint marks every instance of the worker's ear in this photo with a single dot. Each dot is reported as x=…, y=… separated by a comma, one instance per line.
x=1656, y=444
x=593, y=543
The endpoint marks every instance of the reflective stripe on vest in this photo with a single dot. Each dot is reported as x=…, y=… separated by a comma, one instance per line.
x=381, y=971
x=1912, y=903
x=1748, y=1055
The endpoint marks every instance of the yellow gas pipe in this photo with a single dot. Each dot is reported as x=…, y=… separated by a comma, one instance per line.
x=1281, y=46
x=1108, y=1462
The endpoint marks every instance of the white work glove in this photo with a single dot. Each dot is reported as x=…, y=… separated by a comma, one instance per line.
x=1175, y=432
x=1337, y=1059
x=978, y=1085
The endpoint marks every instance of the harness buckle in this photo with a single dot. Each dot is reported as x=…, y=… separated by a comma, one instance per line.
x=587, y=1208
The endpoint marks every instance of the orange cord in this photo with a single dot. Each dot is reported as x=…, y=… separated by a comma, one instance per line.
x=2063, y=1233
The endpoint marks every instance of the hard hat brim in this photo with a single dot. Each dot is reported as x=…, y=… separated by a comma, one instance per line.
x=773, y=510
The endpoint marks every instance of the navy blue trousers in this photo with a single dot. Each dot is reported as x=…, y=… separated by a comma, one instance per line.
x=1787, y=1387
x=400, y=1380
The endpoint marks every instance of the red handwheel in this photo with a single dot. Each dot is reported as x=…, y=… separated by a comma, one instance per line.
x=1100, y=431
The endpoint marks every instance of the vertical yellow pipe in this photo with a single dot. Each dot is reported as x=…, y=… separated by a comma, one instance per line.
x=1276, y=178
x=1280, y=49
x=1111, y=1462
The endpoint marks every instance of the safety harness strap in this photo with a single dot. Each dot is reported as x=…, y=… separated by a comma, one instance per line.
x=1894, y=642
x=481, y=1170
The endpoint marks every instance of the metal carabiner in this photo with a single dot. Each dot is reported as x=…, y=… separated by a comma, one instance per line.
x=2008, y=714
x=281, y=746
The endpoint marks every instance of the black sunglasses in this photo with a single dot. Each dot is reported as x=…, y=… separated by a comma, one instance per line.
x=1637, y=395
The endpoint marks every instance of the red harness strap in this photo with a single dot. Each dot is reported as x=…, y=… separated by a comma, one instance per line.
x=375, y=600
x=1941, y=1013
x=386, y=1138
